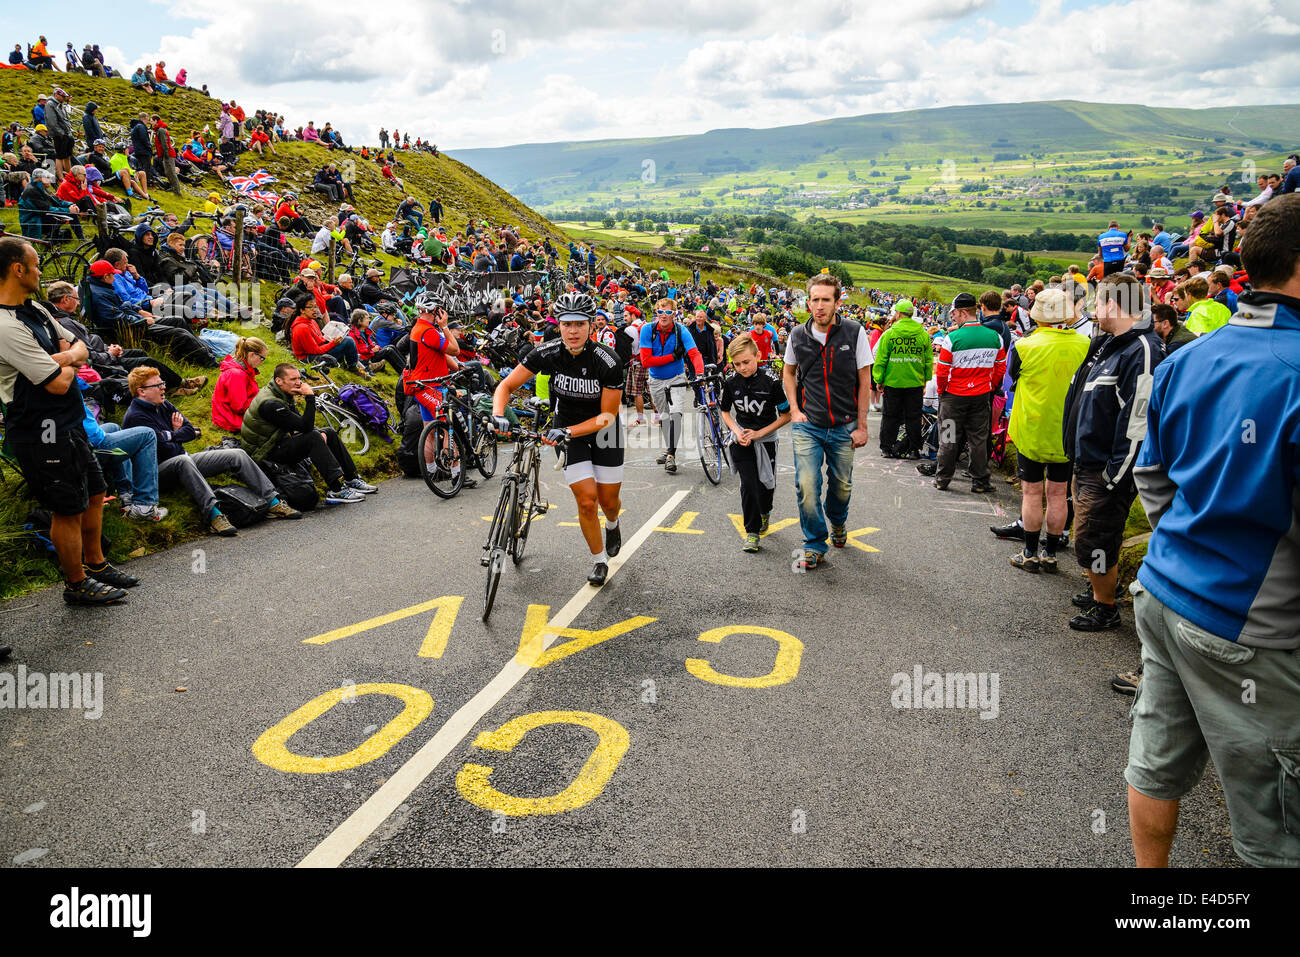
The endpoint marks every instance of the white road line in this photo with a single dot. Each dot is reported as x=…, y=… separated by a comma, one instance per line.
x=365, y=820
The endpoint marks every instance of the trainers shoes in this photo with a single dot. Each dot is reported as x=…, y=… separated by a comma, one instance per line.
x=927, y=468
x=1126, y=682
x=1025, y=562
x=140, y=513
x=1048, y=562
x=184, y=391
x=109, y=575
x=1014, y=530
x=751, y=543
x=343, y=495
x=980, y=487
x=1083, y=600
x=1096, y=617
x=812, y=560
x=670, y=463
x=839, y=536
x=762, y=527
x=661, y=458
x=940, y=484
x=220, y=525
x=363, y=487
x=284, y=510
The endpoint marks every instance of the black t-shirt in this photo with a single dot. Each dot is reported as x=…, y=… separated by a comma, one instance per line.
x=756, y=400
x=576, y=381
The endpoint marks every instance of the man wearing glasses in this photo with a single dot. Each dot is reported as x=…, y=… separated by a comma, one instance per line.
x=665, y=345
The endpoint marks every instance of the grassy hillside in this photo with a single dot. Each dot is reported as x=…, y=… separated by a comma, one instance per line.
x=1004, y=166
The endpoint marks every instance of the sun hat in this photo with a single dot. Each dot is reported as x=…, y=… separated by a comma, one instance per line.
x=1052, y=307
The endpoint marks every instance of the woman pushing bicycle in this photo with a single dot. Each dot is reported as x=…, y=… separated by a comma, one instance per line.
x=587, y=384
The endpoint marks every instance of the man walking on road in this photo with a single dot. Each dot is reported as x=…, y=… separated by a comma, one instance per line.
x=827, y=380
x=971, y=364
x=1217, y=599
x=665, y=346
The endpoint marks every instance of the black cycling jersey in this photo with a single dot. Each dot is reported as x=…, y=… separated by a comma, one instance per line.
x=576, y=381
x=754, y=402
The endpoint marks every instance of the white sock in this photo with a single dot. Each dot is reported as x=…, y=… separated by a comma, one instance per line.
x=600, y=557
x=611, y=523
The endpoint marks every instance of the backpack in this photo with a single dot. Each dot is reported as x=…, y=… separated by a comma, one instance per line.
x=242, y=506
x=294, y=483
x=408, y=458
x=370, y=408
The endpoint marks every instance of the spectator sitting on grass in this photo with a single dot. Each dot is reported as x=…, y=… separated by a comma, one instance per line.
x=135, y=475
x=308, y=342
x=176, y=466
x=368, y=349
x=275, y=430
x=1203, y=314
x=111, y=311
x=237, y=385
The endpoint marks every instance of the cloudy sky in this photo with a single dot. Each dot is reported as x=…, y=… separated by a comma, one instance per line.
x=497, y=72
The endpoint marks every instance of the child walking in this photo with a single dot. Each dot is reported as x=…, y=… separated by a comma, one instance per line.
x=753, y=406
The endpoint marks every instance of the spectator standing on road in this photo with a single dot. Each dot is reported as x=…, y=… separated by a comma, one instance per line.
x=1042, y=366
x=39, y=361
x=827, y=381
x=1106, y=420
x=904, y=361
x=1217, y=599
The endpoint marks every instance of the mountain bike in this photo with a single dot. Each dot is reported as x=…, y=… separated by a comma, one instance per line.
x=709, y=431
x=517, y=505
x=458, y=437
x=338, y=416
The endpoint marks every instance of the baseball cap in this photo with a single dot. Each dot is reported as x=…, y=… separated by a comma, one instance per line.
x=285, y=303
x=101, y=268
x=964, y=300
x=100, y=142
x=1052, y=307
x=60, y=91
x=1197, y=214
x=905, y=307
x=40, y=128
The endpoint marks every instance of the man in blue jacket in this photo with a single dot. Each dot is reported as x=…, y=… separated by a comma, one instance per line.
x=1217, y=600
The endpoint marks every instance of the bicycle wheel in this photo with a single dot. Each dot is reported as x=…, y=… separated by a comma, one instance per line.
x=706, y=438
x=65, y=265
x=485, y=450
x=524, y=513
x=442, y=459
x=499, y=542
x=351, y=433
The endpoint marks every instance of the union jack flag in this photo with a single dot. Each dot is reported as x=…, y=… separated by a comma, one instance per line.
x=246, y=184
x=269, y=199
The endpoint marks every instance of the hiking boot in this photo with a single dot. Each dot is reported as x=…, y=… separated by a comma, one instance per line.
x=980, y=487
x=1014, y=530
x=670, y=464
x=1126, y=682
x=140, y=513
x=613, y=540
x=365, y=488
x=220, y=525
x=839, y=536
x=91, y=592
x=762, y=525
x=184, y=391
x=1025, y=562
x=661, y=458
x=599, y=572
x=195, y=382
x=811, y=560
x=1096, y=617
x=751, y=543
x=284, y=510
x=110, y=576
x=927, y=468
x=1083, y=600
x=1049, y=563
x=940, y=484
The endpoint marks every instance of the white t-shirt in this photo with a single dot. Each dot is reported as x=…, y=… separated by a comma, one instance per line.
x=863, y=354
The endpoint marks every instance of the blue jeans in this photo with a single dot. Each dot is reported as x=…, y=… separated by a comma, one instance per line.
x=345, y=352
x=139, y=471
x=812, y=447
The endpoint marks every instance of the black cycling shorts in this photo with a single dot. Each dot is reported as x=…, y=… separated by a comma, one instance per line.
x=598, y=456
x=62, y=475
x=1030, y=471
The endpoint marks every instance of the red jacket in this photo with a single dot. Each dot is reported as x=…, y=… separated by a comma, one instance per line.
x=366, y=342
x=306, y=338
x=161, y=135
x=235, y=390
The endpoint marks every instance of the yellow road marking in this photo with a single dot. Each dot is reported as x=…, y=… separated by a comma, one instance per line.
x=535, y=626
x=272, y=747
x=739, y=522
x=788, y=655
x=435, y=640
x=683, y=525
x=473, y=779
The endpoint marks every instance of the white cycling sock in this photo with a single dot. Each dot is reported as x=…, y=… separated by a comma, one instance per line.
x=599, y=558
x=611, y=523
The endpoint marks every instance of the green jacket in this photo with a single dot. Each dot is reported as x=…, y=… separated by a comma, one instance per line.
x=904, y=355
x=258, y=436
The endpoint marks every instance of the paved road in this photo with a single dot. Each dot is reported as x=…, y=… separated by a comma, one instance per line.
x=704, y=707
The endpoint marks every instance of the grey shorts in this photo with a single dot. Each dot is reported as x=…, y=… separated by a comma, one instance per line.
x=1202, y=697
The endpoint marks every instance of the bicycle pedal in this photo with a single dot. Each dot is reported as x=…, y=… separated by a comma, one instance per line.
x=541, y=509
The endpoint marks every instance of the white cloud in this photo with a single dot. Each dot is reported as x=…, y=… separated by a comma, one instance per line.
x=496, y=72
